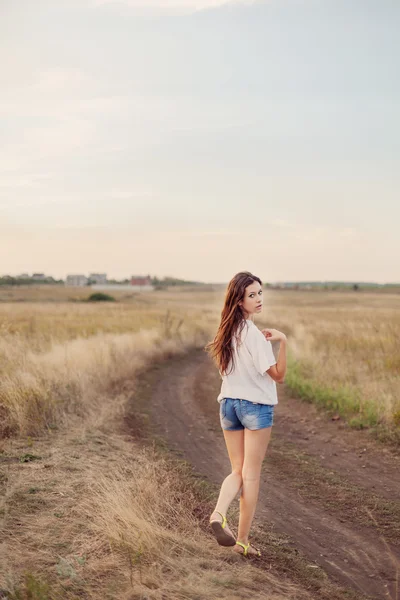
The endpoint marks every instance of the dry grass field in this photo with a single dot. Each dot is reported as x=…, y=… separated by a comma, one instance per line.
x=87, y=511
x=344, y=346
x=344, y=354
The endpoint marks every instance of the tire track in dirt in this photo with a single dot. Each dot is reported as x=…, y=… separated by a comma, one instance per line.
x=322, y=516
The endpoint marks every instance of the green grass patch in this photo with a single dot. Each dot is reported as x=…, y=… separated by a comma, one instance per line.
x=100, y=297
x=32, y=588
x=29, y=457
x=343, y=400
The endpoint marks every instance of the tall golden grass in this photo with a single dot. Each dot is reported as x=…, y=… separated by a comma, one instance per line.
x=344, y=354
x=344, y=346
x=54, y=358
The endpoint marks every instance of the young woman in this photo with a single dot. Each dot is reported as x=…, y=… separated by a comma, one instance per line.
x=248, y=395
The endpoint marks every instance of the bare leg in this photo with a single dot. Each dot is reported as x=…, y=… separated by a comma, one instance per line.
x=233, y=482
x=229, y=489
x=256, y=444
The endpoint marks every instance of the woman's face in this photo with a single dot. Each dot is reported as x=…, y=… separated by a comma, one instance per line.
x=252, y=301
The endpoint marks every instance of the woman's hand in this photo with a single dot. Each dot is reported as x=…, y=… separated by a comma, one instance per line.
x=273, y=335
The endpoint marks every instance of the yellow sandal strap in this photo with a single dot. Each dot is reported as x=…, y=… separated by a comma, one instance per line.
x=246, y=547
x=223, y=524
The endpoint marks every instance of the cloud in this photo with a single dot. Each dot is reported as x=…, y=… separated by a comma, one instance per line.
x=55, y=114
x=164, y=3
x=54, y=92
x=40, y=144
x=15, y=180
x=168, y=5
x=130, y=194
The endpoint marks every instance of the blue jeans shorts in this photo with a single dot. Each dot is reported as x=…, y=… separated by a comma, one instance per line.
x=236, y=414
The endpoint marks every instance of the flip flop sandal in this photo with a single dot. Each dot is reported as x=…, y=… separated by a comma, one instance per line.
x=223, y=537
x=246, y=547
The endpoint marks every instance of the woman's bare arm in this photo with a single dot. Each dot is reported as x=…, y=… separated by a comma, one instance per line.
x=277, y=372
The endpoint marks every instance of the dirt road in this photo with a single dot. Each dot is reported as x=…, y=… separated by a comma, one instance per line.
x=330, y=491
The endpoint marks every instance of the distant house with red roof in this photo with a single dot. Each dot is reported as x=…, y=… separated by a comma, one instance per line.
x=141, y=282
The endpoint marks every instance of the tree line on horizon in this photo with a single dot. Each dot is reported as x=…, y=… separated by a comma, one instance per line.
x=165, y=282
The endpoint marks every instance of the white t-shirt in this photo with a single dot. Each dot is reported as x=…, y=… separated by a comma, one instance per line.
x=249, y=380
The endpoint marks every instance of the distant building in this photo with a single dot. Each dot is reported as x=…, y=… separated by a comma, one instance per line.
x=141, y=283
x=98, y=278
x=137, y=283
x=23, y=276
x=76, y=280
x=39, y=276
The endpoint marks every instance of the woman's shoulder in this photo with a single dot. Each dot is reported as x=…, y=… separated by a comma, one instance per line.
x=253, y=332
x=248, y=329
x=245, y=325
x=241, y=331
x=251, y=326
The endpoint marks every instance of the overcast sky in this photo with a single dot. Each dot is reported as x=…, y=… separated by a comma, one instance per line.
x=198, y=138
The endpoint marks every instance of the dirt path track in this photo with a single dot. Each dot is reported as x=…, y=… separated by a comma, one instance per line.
x=318, y=478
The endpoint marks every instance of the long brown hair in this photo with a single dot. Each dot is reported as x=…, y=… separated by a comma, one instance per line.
x=232, y=321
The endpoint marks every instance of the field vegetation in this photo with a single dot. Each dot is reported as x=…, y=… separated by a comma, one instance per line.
x=90, y=513
x=344, y=347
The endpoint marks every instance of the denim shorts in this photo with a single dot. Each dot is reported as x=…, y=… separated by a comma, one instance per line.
x=236, y=414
